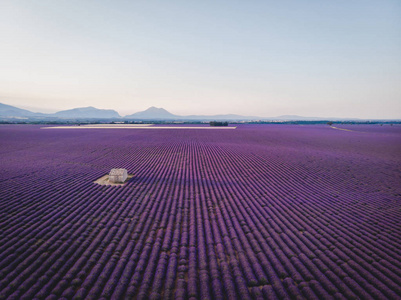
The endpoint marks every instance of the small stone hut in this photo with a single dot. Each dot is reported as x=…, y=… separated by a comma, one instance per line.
x=118, y=175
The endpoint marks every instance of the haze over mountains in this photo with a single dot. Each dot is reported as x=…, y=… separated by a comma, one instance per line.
x=87, y=112
x=8, y=112
x=154, y=113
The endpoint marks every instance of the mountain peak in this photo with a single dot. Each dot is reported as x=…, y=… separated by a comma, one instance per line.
x=154, y=113
x=12, y=111
x=87, y=112
x=154, y=108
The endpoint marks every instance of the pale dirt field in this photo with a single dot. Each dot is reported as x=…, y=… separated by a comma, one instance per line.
x=341, y=128
x=136, y=127
x=117, y=125
x=104, y=180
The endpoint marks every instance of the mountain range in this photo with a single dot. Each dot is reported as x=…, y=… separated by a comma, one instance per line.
x=154, y=113
x=87, y=113
x=8, y=112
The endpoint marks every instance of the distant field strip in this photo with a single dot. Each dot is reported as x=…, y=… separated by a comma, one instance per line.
x=117, y=125
x=343, y=129
x=135, y=127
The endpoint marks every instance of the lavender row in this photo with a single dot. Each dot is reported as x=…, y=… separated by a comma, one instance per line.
x=258, y=212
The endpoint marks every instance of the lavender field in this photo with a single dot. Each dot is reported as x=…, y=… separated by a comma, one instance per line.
x=257, y=212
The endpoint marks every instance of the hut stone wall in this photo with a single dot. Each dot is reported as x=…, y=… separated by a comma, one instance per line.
x=118, y=175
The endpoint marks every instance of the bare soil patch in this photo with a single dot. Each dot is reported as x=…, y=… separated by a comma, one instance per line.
x=137, y=127
x=104, y=180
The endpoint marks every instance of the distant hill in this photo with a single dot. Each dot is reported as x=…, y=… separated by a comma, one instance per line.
x=12, y=112
x=301, y=118
x=153, y=113
x=157, y=114
x=9, y=111
x=298, y=118
x=87, y=113
x=226, y=117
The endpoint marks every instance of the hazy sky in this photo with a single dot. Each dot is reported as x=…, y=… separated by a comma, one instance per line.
x=264, y=58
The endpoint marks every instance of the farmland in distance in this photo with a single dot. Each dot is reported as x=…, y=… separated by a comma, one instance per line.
x=257, y=212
